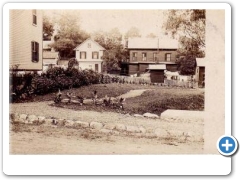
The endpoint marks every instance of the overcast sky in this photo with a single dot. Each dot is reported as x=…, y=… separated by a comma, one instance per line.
x=147, y=21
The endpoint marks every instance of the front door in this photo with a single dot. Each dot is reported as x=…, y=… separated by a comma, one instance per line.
x=96, y=67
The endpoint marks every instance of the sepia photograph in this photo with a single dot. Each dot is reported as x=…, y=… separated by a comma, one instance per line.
x=107, y=82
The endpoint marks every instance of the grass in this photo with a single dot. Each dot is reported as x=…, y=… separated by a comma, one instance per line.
x=155, y=100
x=159, y=100
x=112, y=90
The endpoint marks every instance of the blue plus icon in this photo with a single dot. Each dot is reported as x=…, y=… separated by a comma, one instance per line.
x=227, y=145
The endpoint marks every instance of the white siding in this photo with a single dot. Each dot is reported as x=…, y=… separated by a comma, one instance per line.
x=22, y=32
x=89, y=63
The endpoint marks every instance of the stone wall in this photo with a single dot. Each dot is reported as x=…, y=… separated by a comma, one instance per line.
x=104, y=128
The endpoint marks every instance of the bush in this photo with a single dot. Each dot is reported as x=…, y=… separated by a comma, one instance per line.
x=54, y=79
x=20, y=86
x=54, y=72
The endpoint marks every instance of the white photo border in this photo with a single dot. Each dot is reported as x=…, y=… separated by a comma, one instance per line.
x=115, y=164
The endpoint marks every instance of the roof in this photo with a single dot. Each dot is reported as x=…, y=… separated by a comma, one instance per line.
x=201, y=62
x=152, y=43
x=89, y=39
x=50, y=55
x=157, y=66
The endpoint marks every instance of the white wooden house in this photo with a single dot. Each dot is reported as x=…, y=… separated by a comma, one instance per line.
x=50, y=59
x=89, y=55
x=26, y=39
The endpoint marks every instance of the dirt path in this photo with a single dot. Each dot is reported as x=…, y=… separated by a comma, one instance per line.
x=133, y=93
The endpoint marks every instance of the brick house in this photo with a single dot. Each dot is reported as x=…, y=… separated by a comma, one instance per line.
x=146, y=51
x=89, y=55
x=26, y=39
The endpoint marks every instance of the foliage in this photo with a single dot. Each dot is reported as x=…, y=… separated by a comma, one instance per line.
x=187, y=65
x=54, y=72
x=69, y=34
x=151, y=35
x=47, y=28
x=20, y=85
x=189, y=27
x=73, y=63
x=132, y=32
x=115, y=52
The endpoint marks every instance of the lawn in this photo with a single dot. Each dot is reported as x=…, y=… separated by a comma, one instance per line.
x=112, y=90
x=155, y=100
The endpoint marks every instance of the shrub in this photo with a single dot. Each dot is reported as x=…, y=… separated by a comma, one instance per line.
x=20, y=86
x=54, y=72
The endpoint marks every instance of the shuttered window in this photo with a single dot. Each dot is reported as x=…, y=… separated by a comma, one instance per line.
x=34, y=14
x=83, y=55
x=35, y=51
x=95, y=55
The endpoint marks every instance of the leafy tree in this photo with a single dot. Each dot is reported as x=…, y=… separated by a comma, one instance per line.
x=187, y=65
x=47, y=28
x=69, y=34
x=132, y=32
x=151, y=35
x=115, y=52
x=189, y=27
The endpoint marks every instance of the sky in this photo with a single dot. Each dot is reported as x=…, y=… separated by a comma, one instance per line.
x=147, y=21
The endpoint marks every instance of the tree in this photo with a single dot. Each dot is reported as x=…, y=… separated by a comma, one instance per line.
x=69, y=34
x=132, y=32
x=187, y=65
x=47, y=28
x=189, y=27
x=115, y=52
x=151, y=35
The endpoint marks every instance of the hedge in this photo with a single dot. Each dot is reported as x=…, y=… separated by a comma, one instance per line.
x=22, y=87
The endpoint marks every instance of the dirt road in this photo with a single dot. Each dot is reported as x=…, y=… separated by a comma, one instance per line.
x=29, y=139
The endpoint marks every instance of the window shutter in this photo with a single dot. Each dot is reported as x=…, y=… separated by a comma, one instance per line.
x=32, y=50
x=97, y=55
x=37, y=51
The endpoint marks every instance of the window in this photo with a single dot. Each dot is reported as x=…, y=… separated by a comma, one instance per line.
x=134, y=57
x=35, y=51
x=95, y=55
x=168, y=57
x=34, y=13
x=144, y=56
x=89, y=45
x=154, y=56
x=83, y=55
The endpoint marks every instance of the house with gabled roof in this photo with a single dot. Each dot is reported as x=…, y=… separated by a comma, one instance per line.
x=89, y=55
x=25, y=41
x=146, y=51
x=50, y=59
